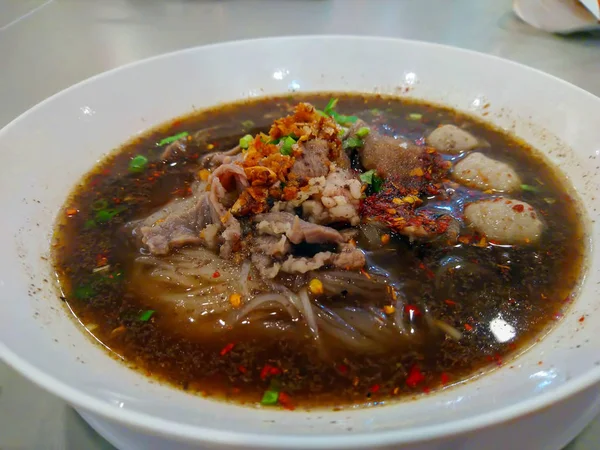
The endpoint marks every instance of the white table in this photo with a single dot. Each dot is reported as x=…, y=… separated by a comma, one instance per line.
x=47, y=45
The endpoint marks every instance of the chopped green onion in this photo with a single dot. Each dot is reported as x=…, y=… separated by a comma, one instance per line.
x=270, y=398
x=247, y=124
x=377, y=184
x=528, y=188
x=343, y=120
x=372, y=179
x=99, y=204
x=352, y=142
x=415, y=116
x=106, y=215
x=138, y=164
x=89, y=224
x=84, y=292
x=245, y=141
x=331, y=105
x=367, y=177
x=362, y=132
x=375, y=111
x=145, y=316
x=286, y=148
x=321, y=113
x=173, y=138
x=339, y=118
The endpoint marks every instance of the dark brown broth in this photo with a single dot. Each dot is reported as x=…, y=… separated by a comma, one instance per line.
x=523, y=287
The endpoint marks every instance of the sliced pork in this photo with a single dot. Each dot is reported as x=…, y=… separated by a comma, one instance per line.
x=296, y=229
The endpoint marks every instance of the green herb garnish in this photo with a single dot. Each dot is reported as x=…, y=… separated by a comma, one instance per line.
x=343, y=120
x=270, y=398
x=352, y=142
x=106, y=215
x=91, y=223
x=367, y=177
x=529, y=188
x=331, y=106
x=84, y=292
x=138, y=164
x=339, y=118
x=286, y=147
x=173, y=138
x=362, y=132
x=246, y=141
x=145, y=316
x=247, y=124
x=415, y=116
x=377, y=184
x=372, y=179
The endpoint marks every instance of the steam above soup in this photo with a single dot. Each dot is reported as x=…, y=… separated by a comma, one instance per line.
x=340, y=254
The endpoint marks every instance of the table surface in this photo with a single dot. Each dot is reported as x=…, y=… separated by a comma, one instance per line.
x=48, y=45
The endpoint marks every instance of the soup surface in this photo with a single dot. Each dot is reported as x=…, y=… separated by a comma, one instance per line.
x=348, y=253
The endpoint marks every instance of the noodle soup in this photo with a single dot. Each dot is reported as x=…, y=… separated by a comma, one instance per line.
x=318, y=252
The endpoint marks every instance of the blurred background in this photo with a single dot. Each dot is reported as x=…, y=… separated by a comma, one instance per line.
x=48, y=45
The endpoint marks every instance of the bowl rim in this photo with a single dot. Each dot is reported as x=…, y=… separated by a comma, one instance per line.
x=197, y=433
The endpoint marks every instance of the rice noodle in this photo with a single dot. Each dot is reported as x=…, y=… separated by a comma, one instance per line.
x=309, y=314
x=244, y=277
x=186, y=279
x=448, y=329
x=263, y=300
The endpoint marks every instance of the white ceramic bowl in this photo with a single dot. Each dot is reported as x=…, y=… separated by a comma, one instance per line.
x=551, y=389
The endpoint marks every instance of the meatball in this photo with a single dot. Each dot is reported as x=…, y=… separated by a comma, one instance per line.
x=481, y=172
x=504, y=220
x=451, y=139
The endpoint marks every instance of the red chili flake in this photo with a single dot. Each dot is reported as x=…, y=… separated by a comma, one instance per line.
x=518, y=208
x=216, y=274
x=582, y=318
x=498, y=359
x=242, y=369
x=568, y=299
x=106, y=172
x=227, y=349
x=101, y=260
x=374, y=389
x=426, y=390
x=343, y=368
x=468, y=327
x=420, y=141
x=235, y=390
x=285, y=401
x=449, y=302
x=445, y=378
x=427, y=270
x=414, y=377
x=269, y=371
x=512, y=346
x=408, y=309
